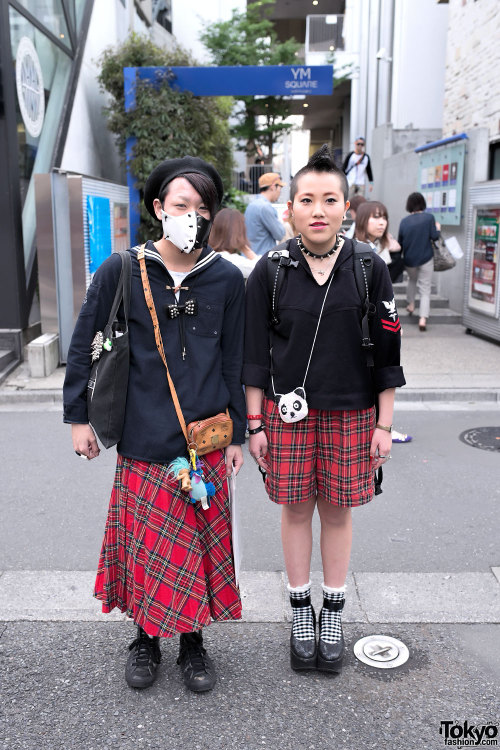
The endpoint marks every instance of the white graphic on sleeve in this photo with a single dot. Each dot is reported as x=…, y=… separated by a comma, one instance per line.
x=391, y=308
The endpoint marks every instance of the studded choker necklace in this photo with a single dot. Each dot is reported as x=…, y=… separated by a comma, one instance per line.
x=316, y=255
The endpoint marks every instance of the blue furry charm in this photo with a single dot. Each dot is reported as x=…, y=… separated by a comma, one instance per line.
x=190, y=474
x=199, y=489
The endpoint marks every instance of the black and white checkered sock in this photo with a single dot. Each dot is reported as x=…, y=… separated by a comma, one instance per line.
x=331, y=614
x=303, y=620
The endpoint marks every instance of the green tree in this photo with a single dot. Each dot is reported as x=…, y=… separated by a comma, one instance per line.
x=249, y=38
x=166, y=123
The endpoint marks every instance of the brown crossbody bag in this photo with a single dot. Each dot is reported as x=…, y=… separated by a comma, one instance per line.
x=204, y=435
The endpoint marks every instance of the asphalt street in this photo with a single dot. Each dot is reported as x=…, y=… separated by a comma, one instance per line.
x=438, y=510
x=434, y=526
x=63, y=689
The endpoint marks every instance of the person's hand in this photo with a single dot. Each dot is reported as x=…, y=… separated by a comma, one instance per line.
x=380, y=449
x=438, y=226
x=234, y=459
x=84, y=440
x=258, y=450
x=370, y=188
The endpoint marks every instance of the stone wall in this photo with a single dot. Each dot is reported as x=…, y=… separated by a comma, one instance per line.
x=472, y=92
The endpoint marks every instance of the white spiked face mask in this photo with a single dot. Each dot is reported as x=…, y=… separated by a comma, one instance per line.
x=188, y=232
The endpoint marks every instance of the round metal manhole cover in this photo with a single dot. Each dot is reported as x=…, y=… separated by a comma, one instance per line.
x=381, y=651
x=486, y=438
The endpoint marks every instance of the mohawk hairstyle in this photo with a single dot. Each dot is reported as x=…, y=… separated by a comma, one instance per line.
x=320, y=161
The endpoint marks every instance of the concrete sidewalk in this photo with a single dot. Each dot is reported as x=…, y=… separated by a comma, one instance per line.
x=468, y=597
x=443, y=364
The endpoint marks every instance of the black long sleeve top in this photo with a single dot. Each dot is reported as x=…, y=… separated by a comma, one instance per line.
x=338, y=377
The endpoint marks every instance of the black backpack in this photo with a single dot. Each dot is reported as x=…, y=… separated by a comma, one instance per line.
x=279, y=258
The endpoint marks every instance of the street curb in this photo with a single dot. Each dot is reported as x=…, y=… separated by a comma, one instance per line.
x=403, y=396
x=468, y=395
x=448, y=598
x=30, y=396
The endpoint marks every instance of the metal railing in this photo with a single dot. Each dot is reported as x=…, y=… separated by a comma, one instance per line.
x=248, y=181
x=324, y=33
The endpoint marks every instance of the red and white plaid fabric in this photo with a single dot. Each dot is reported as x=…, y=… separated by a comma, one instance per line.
x=327, y=453
x=164, y=561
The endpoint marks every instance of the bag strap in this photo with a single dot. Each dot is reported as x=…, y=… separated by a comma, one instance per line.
x=159, y=342
x=122, y=291
x=277, y=258
x=363, y=274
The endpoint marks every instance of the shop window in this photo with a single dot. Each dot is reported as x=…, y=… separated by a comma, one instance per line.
x=43, y=89
x=494, y=170
x=50, y=13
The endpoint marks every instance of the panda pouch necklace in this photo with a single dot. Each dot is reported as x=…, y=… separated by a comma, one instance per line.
x=292, y=406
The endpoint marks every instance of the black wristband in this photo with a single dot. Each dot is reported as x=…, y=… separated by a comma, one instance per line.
x=256, y=430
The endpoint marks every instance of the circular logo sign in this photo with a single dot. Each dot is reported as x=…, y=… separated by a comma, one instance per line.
x=29, y=82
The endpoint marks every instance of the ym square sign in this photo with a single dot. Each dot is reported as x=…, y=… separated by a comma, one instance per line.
x=232, y=80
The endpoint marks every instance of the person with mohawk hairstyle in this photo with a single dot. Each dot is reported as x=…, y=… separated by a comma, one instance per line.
x=311, y=397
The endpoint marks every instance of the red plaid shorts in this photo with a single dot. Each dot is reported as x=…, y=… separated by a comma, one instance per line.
x=327, y=453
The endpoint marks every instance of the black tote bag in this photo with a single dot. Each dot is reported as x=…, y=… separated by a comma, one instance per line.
x=108, y=382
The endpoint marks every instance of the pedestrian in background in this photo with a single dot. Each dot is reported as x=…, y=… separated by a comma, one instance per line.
x=372, y=225
x=264, y=229
x=166, y=561
x=288, y=224
x=358, y=169
x=415, y=234
x=355, y=203
x=321, y=444
x=229, y=238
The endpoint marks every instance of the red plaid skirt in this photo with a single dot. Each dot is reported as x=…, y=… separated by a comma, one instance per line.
x=166, y=562
x=327, y=453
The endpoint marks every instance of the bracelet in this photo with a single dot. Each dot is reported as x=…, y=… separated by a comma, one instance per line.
x=256, y=430
x=254, y=416
x=384, y=427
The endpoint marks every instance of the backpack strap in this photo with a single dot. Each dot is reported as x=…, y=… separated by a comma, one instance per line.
x=363, y=274
x=277, y=258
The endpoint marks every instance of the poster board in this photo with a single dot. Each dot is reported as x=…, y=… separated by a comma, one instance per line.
x=440, y=179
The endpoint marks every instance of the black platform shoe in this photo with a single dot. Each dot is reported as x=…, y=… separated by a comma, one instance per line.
x=303, y=653
x=331, y=655
x=143, y=661
x=198, y=670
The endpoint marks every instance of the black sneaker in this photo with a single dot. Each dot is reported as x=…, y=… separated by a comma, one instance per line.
x=142, y=663
x=198, y=669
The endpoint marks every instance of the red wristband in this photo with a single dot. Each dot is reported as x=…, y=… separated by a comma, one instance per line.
x=254, y=416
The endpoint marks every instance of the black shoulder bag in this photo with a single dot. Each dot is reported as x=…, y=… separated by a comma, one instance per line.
x=108, y=382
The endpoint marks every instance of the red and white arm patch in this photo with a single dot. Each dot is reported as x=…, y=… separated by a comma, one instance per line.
x=391, y=325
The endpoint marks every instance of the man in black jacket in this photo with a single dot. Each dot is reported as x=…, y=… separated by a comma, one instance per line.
x=358, y=169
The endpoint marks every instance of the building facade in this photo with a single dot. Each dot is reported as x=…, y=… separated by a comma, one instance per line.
x=51, y=118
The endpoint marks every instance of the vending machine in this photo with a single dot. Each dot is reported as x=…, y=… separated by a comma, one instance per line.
x=481, y=293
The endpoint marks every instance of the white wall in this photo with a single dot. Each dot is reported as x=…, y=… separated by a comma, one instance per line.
x=406, y=84
x=90, y=148
x=419, y=59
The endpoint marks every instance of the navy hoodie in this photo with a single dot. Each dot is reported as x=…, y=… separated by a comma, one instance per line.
x=207, y=380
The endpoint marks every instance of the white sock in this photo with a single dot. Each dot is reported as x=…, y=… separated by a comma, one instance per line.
x=331, y=620
x=303, y=621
